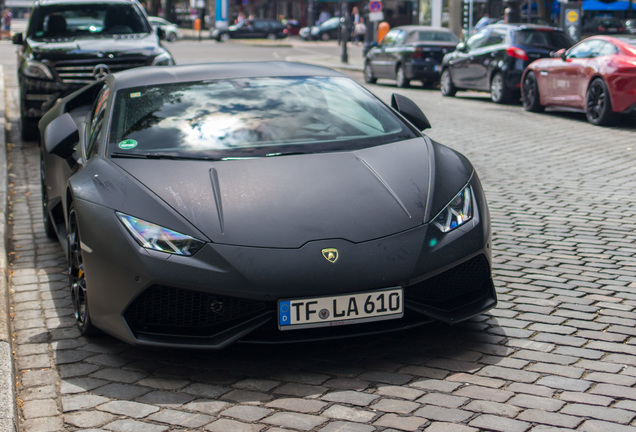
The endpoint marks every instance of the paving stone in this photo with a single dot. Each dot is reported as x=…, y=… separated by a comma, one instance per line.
x=351, y=414
x=86, y=419
x=225, y=425
x=395, y=406
x=449, y=427
x=399, y=422
x=134, y=426
x=187, y=420
x=443, y=414
x=500, y=424
x=347, y=427
x=350, y=397
x=246, y=413
x=295, y=421
x=496, y=408
x=127, y=408
x=550, y=418
x=307, y=406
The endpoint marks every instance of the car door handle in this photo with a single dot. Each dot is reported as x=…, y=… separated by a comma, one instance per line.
x=543, y=73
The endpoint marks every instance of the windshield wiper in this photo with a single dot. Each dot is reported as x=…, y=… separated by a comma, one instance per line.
x=162, y=156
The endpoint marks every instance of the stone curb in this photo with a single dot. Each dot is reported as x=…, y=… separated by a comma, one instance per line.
x=7, y=383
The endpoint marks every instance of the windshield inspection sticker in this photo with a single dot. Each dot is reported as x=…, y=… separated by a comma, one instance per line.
x=128, y=144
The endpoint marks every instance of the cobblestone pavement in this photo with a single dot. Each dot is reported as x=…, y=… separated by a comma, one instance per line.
x=557, y=354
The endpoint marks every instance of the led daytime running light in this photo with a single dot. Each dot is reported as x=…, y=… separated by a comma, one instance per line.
x=458, y=212
x=155, y=237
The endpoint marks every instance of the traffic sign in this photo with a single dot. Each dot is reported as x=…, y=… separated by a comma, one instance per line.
x=375, y=6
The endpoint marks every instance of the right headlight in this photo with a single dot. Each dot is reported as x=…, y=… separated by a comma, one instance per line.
x=457, y=212
x=35, y=69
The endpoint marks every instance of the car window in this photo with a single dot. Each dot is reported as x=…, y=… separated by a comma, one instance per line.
x=478, y=39
x=96, y=118
x=69, y=20
x=251, y=117
x=544, y=38
x=431, y=36
x=496, y=37
x=606, y=48
x=585, y=49
x=391, y=37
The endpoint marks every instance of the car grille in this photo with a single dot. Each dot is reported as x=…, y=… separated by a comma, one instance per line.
x=83, y=71
x=456, y=286
x=174, y=311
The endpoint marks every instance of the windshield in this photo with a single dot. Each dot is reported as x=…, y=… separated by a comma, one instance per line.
x=251, y=118
x=70, y=20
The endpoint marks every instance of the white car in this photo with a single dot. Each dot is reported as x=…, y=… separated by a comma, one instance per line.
x=172, y=30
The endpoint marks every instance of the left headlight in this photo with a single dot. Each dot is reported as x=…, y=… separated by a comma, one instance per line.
x=158, y=238
x=457, y=212
x=163, y=59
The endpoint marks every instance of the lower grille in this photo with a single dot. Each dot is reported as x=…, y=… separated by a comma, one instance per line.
x=457, y=286
x=174, y=311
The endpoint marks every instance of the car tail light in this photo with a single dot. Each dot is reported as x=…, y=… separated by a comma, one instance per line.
x=517, y=53
x=621, y=29
x=418, y=53
x=602, y=29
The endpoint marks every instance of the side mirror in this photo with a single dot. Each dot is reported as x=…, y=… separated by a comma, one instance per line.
x=61, y=135
x=462, y=47
x=17, y=39
x=161, y=33
x=558, y=54
x=410, y=111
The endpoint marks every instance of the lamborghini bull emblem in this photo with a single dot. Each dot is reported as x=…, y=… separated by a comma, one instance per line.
x=330, y=254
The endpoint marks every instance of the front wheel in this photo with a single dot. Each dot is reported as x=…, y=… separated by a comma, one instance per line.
x=172, y=37
x=498, y=91
x=368, y=74
x=325, y=37
x=400, y=78
x=531, y=99
x=77, y=278
x=598, y=105
x=271, y=36
x=224, y=37
x=49, y=229
x=446, y=84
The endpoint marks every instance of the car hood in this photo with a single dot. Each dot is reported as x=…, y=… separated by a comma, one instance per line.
x=81, y=48
x=287, y=201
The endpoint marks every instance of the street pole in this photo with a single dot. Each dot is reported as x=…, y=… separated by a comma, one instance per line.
x=344, y=31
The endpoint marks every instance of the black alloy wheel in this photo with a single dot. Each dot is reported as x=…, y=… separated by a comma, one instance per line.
x=368, y=74
x=77, y=277
x=49, y=229
x=498, y=91
x=531, y=99
x=446, y=84
x=598, y=106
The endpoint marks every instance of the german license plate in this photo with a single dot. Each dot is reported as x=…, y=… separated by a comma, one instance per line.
x=340, y=310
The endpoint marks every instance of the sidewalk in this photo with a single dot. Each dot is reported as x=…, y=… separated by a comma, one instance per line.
x=8, y=412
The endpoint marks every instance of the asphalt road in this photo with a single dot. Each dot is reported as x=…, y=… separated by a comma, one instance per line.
x=557, y=354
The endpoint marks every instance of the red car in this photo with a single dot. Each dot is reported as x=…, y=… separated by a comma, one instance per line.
x=597, y=76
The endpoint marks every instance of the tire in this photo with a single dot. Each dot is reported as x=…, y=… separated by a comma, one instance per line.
x=224, y=37
x=531, y=99
x=400, y=78
x=77, y=277
x=271, y=36
x=446, y=84
x=598, y=105
x=49, y=229
x=29, y=129
x=368, y=74
x=172, y=37
x=325, y=37
x=498, y=92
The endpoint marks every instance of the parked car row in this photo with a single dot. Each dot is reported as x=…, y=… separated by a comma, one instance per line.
x=539, y=64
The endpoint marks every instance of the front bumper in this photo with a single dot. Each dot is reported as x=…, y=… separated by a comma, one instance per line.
x=228, y=293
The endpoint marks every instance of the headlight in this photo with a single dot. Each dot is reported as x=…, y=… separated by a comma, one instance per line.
x=155, y=237
x=457, y=213
x=163, y=59
x=35, y=69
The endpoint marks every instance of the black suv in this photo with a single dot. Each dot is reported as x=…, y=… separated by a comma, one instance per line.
x=494, y=58
x=70, y=43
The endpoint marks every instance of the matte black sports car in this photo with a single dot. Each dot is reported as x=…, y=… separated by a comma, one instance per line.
x=409, y=53
x=204, y=204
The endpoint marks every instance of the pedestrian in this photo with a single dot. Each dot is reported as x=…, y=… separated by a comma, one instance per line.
x=5, y=31
x=359, y=29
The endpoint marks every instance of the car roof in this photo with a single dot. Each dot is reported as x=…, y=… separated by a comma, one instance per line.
x=524, y=26
x=157, y=75
x=69, y=2
x=422, y=28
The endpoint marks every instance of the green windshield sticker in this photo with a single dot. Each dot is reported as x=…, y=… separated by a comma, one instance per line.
x=128, y=144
